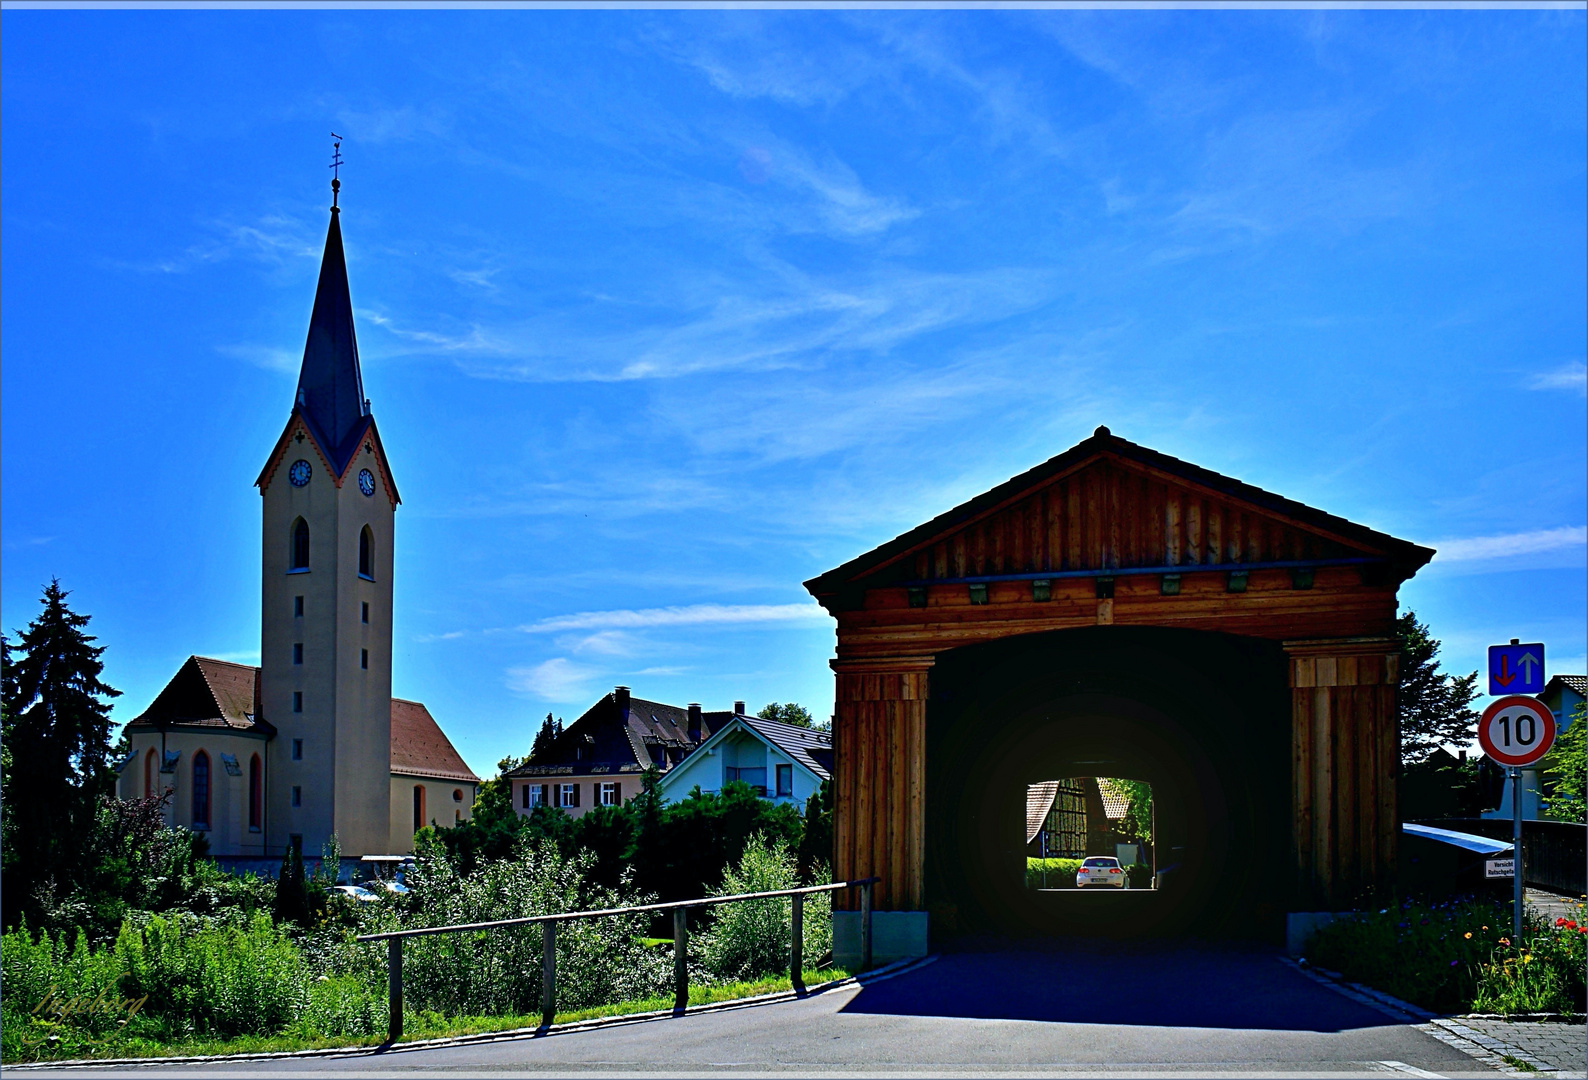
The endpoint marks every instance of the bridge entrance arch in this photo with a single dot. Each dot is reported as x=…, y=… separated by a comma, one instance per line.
x=1116, y=611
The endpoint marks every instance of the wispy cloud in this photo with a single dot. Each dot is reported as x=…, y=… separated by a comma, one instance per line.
x=1510, y=544
x=269, y=357
x=1572, y=376
x=558, y=679
x=688, y=615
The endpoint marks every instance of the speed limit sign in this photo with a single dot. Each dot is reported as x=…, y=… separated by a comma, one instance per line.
x=1516, y=730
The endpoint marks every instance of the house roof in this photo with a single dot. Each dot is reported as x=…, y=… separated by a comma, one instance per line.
x=868, y=569
x=1039, y=800
x=420, y=748
x=1115, y=800
x=210, y=693
x=330, y=384
x=622, y=733
x=1577, y=684
x=811, y=747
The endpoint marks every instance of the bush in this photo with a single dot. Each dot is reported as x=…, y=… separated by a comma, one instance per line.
x=498, y=972
x=1456, y=957
x=1060, y=873
x=1140, y=876
x=753, y=938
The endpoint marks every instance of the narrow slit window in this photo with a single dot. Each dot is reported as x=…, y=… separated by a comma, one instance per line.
x=363, y=659
x=366, y=554
x=256, y=794
x=201, y=790
x=300, y=545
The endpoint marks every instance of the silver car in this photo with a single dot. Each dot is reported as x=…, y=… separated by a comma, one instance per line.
x=1102, y=870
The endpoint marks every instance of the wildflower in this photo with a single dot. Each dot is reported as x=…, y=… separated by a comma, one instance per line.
x=1468, y=936
x=1453, y=963
x=1505, y=941
x=1560, y=922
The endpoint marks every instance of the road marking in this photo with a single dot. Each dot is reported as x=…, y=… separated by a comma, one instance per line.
x=1409, y=1070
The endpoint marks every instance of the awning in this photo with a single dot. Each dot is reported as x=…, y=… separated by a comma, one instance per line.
x=1483, y=845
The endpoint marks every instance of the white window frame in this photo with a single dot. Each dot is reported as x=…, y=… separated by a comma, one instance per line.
x=609, y=793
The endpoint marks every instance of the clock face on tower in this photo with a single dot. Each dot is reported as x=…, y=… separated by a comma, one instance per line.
x=366, y=481
x=299, y=473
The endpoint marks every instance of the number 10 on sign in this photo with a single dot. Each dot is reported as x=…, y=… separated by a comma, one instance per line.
x=1516, y=731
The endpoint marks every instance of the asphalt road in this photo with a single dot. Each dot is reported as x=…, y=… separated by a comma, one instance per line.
x=1081, y=1008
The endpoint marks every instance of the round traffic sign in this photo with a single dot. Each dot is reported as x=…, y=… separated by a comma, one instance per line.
x=1516, y=730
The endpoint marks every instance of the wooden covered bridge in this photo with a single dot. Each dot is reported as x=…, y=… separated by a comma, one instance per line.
x=1119, y=612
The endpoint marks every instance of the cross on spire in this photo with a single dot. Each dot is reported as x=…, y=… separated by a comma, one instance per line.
x=336, y=169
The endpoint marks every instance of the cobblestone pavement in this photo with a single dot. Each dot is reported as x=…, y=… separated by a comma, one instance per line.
x=1550, y=1048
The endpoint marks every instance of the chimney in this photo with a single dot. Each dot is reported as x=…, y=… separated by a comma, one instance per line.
x=738, y=708
x=694, y=722
x=621, y=695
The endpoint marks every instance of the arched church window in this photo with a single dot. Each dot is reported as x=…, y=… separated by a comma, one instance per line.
x=148, y=774
x=419, y=807
x=366, y=554
x=256, y=794
x=201, y=790
x=300, y=545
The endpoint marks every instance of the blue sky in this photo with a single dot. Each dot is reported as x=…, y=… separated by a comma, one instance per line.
x=662, y=313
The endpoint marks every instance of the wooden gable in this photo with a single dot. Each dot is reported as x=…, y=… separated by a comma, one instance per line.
x=1109, y=504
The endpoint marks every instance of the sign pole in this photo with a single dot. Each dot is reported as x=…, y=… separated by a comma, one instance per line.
x=1516, y=856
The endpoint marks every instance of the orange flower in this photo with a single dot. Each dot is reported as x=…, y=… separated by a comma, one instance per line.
x=1468, y=934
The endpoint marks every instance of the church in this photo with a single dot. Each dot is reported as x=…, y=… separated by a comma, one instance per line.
x=310, y=743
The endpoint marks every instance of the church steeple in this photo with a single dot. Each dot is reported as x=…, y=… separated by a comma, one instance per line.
x=330, y=386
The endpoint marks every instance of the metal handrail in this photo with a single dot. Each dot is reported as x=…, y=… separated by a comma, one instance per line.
x=634, y=910
x=680, y=910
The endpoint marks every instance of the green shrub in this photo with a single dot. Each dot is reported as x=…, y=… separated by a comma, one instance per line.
x=1060, y=873
x=214, y=980
x=752, y=938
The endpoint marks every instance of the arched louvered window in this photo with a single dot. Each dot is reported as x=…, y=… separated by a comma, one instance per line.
x=201, y=790
x=366, y=554
x=148, y=774
x=256, y=794
x=300, y=545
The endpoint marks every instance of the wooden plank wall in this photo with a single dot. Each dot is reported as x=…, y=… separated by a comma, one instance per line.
x=1108, y=516
x=1345, y=748
x=879, y=782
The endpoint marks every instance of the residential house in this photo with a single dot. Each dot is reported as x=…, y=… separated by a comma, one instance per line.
x=601, y=758
x=780, y=762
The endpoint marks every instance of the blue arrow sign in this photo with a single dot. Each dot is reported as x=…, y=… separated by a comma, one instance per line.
x=1516, y=669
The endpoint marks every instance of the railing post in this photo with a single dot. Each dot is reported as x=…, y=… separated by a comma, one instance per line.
x=865, y=927
x=548, y=972
x=680, y=959
x=796, y=964
x=394, y=989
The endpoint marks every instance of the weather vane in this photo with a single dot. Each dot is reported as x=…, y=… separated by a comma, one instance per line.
x=336, y=167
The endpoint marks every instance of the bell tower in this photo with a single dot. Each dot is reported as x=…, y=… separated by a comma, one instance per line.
x=326, y=583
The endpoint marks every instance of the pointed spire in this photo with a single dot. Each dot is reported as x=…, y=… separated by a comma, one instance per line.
x=330, y=386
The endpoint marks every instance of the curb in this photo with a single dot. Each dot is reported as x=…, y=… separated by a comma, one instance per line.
x=1387, y=1004
x=1485, y=1048
x=887, y=971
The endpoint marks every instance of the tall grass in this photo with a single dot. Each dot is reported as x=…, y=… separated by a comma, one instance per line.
x=206, y=979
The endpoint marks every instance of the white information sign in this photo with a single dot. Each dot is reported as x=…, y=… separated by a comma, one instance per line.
x=1497, y=868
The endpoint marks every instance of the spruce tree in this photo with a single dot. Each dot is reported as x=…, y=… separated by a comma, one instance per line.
x=549, y=730
x=57, y=732
x=1434, y=708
